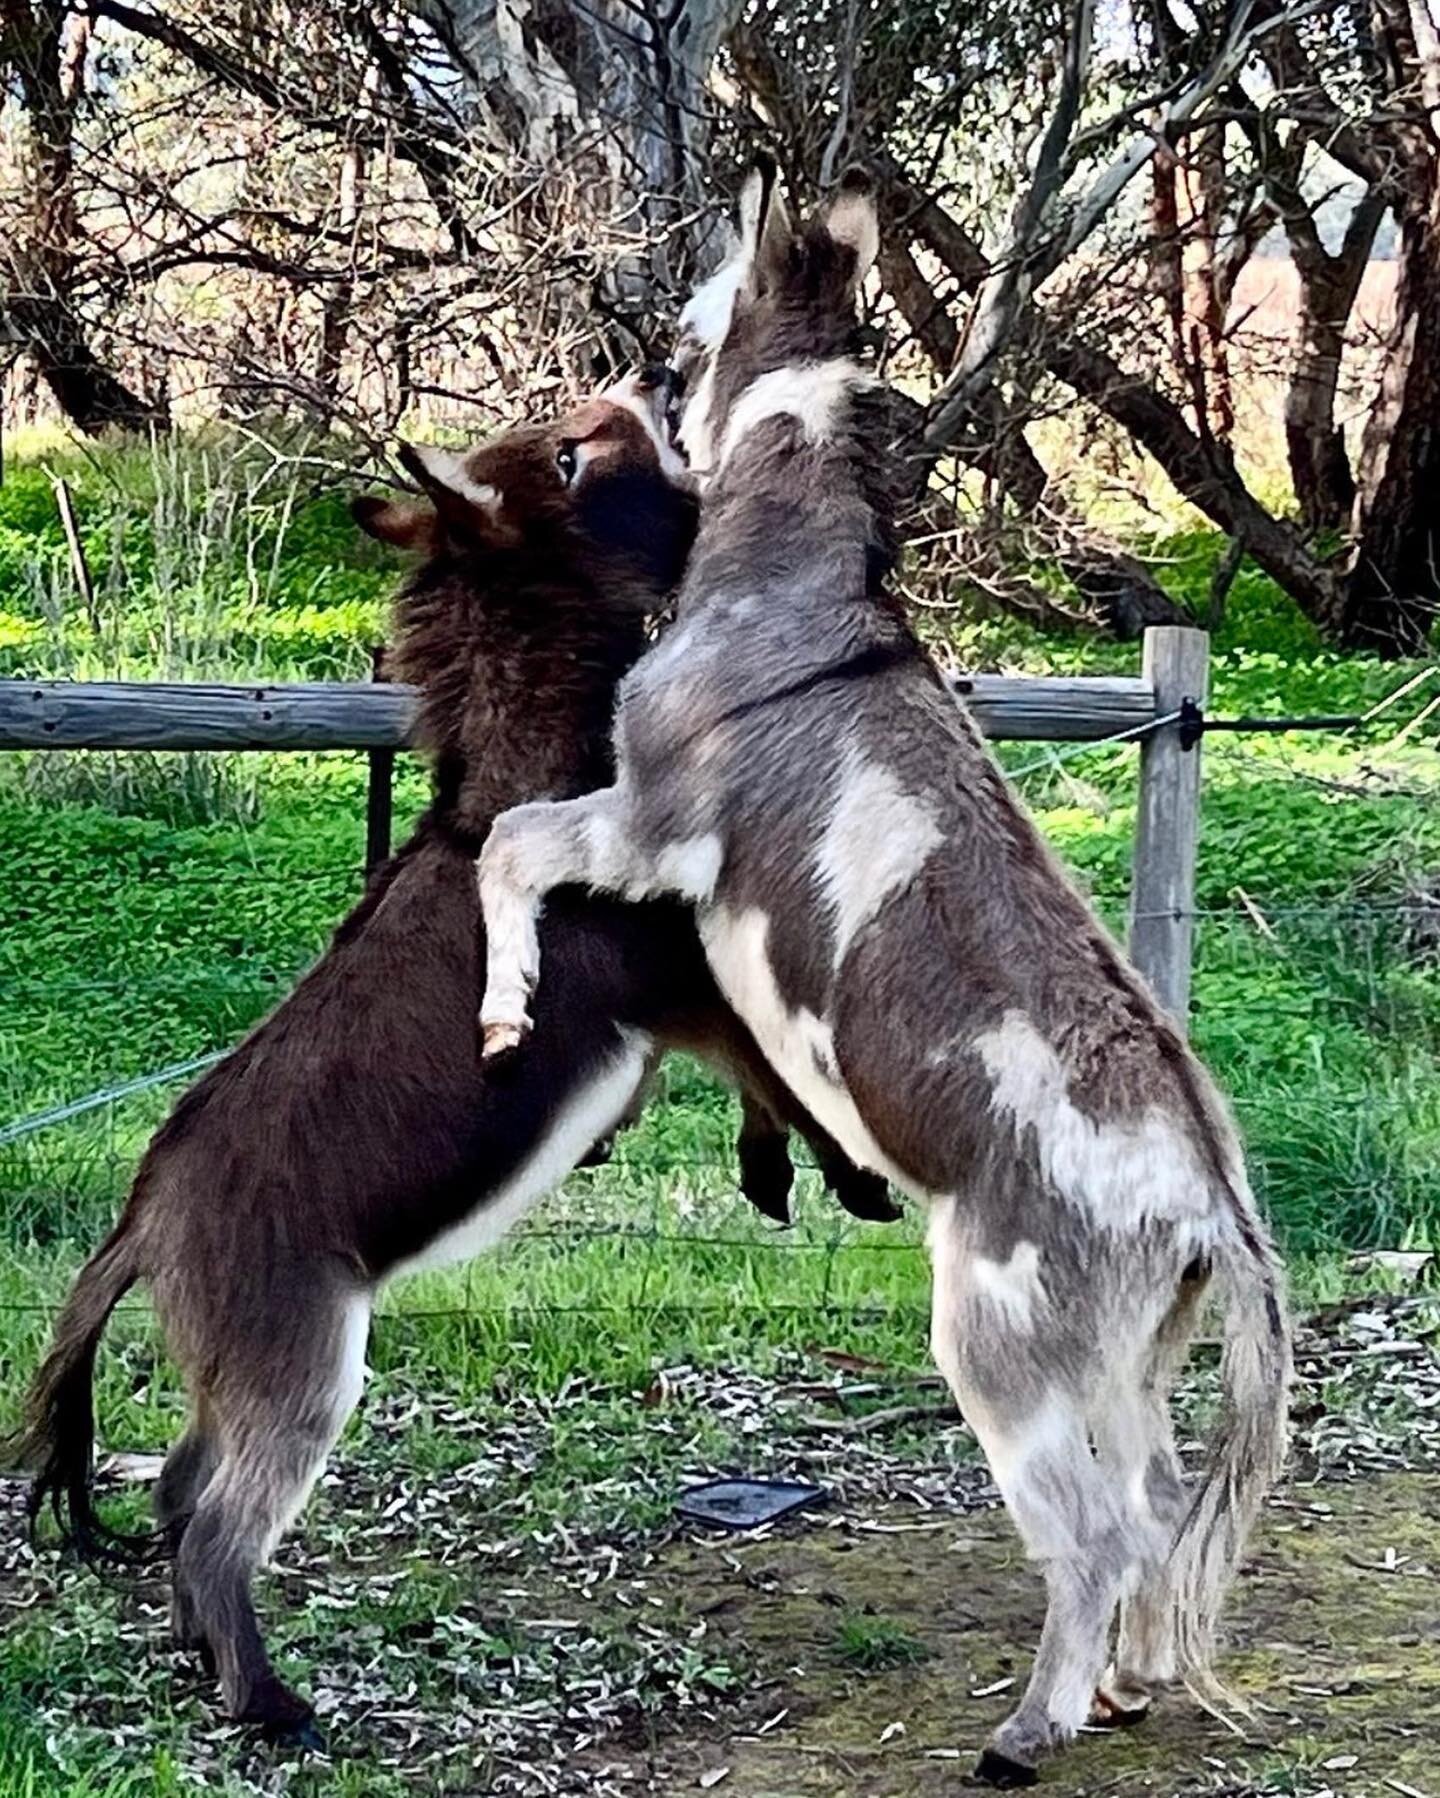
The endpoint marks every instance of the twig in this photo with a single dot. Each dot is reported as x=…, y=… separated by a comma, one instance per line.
x=78, y=563
x=875, y=1421
x=1256, y=916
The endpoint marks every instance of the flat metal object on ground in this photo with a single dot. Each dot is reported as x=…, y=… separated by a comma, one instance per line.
x=746, y=1504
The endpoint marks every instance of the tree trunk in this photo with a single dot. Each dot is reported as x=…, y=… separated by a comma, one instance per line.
x=1319, y=464
x=1392, y=595
x=1314, y=443
x=633, y=75
x=1203, y=471
x=47, y=48
x=86, y=391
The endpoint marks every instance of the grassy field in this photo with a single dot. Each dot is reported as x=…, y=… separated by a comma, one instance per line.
x=151, y=908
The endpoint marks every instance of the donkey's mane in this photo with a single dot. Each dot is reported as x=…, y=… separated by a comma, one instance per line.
x=876, y=459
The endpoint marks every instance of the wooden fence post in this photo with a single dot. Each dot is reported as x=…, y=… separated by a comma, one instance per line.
x=1167, y=825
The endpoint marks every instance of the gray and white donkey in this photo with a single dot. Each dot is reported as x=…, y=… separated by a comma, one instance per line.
x=884, y=916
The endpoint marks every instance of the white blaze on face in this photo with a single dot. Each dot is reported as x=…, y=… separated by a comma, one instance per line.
x=1122, y=1172
x=628, y=395
x=815, y=394
x=878, y=839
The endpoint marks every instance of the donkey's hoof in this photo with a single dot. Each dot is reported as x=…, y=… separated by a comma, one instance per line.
x=866, y=1195
x=500, y=1039
x=302, y=1737
x=598, y=1153
x=996, y=1769
x=766, y=1176
x=1109, y=1713
x=283, y=1717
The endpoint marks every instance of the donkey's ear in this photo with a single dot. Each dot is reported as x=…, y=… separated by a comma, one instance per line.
x=765, y=228
x=852, y=220
x=466, y=507
x=402, y=523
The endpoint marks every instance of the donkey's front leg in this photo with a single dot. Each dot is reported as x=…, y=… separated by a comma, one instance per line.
x=581, y=842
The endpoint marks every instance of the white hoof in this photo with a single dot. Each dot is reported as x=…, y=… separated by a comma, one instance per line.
x=502, y=1038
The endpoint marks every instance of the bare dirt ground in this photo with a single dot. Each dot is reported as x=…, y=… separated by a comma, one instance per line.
x=1334, y=1640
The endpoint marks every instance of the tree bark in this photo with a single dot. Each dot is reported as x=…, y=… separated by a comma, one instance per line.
x=632, y=72
x=1392, y=595
x=42, y=263
x=1319, y=463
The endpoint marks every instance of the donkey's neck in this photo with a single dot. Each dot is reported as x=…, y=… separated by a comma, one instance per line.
x=517, y=692
x=798, y=527
x=537, y=738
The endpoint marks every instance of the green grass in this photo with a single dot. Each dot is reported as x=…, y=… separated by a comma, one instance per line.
x=872, y=1644
x=151, y=908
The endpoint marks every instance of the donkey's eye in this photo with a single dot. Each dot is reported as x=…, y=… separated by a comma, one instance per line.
x=567, y=462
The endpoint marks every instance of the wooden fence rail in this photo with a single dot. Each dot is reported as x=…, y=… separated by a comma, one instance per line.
x=377, y=717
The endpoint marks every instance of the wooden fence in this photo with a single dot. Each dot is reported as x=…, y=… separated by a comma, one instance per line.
x=377, y=717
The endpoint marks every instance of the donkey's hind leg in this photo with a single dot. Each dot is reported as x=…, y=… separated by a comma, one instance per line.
x=1136, y=1443
x=186, y=1472
x=1072, y=1524
x=992, y=1330
x=185, y=1475
x=276, y=1427
x=1135, y=1436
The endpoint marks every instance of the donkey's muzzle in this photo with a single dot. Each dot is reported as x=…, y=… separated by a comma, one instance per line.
x=660, y=375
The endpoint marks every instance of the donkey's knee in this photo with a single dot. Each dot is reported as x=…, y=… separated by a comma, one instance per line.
x=187, y=1470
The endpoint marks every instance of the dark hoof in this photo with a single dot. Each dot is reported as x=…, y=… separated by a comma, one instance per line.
x=598, y=1153
x=996, y=1769
x=766, y=1175
x=866, y=1196
x=283, y=1717
x=303, y=1737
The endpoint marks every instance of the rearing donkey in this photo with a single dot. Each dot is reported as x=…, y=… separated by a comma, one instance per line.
x=882, y=913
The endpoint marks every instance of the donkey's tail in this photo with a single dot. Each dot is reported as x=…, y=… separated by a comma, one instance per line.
x=56, y=1441
x=1247, y=1456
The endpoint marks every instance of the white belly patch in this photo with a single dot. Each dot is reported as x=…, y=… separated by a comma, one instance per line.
x=797, y=1044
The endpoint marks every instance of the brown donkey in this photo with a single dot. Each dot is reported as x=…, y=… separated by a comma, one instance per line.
x=354, y=1134
x=882, y=913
